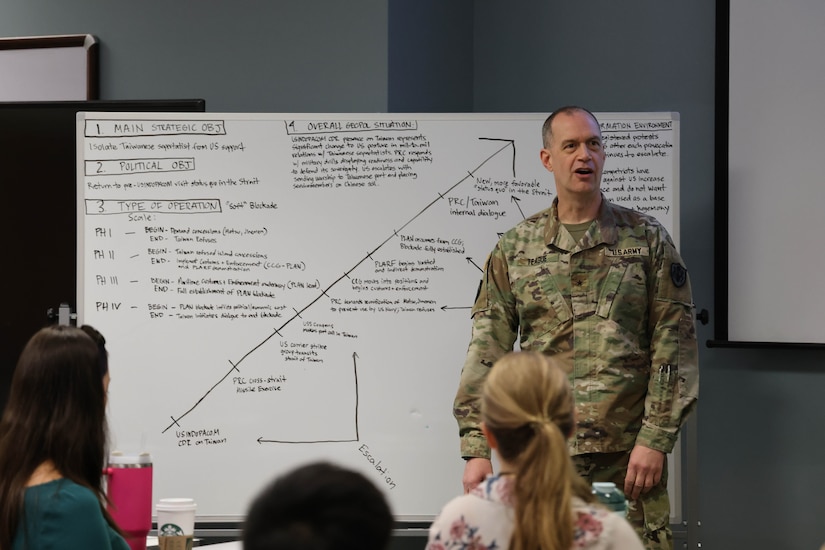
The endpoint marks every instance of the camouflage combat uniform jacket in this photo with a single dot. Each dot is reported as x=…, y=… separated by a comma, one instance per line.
x=617, y=310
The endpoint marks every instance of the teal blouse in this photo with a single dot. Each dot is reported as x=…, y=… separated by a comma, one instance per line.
x=63, y=515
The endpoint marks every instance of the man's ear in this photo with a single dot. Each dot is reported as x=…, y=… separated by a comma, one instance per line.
x=491, y=439
x=546, y=159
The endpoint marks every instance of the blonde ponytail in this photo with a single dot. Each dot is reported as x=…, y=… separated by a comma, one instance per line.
x=527, y=405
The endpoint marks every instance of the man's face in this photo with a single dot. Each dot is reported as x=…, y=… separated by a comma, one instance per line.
x=575, y=155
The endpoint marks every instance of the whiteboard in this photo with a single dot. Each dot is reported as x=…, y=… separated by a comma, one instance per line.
x=774, y=111
x=279, y=288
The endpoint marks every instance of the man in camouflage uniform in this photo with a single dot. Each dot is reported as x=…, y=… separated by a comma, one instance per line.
x=604, y=289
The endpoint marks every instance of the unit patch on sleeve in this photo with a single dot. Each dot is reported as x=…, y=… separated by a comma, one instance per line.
x=678, y=274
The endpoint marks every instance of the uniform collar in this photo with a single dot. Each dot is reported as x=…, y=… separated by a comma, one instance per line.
x=604, y=230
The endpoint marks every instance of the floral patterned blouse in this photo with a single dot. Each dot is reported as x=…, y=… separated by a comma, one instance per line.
x=483, y=520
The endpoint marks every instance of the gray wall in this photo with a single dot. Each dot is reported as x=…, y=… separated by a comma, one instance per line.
x=430, y=56
x=758, y=432
x=248, y=56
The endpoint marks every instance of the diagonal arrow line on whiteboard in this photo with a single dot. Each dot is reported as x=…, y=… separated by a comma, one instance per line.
x=516, y=200
x=470, y=261
x=509, y=142
x=235, y=364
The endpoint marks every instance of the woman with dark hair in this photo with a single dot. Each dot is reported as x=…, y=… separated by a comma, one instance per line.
x=53, y=445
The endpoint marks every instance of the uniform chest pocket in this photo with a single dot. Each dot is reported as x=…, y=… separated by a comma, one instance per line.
x=540, y=300
x=623, y=295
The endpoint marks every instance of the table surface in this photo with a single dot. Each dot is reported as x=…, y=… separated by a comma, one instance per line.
x=152, y=544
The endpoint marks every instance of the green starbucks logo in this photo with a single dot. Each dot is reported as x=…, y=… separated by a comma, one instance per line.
x=170, y=530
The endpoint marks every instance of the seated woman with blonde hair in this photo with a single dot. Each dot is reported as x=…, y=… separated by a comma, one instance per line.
x=53, y=446
x=536, y=501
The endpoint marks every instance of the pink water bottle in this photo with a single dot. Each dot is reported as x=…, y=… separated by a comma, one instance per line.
x=129, y=488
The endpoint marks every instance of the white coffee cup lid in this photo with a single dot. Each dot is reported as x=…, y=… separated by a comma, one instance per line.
x=176, y=505
x=117, y=457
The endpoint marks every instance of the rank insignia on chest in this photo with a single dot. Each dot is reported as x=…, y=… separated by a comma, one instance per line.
x=678, y=274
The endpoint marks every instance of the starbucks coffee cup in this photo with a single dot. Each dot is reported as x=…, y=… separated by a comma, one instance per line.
x=176, y=523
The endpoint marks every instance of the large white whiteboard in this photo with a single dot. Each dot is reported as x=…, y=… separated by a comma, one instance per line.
x=278, y=288
x=774, y=107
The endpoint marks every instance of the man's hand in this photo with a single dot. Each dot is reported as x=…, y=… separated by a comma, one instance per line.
x=644, y=471
x=475, y=470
